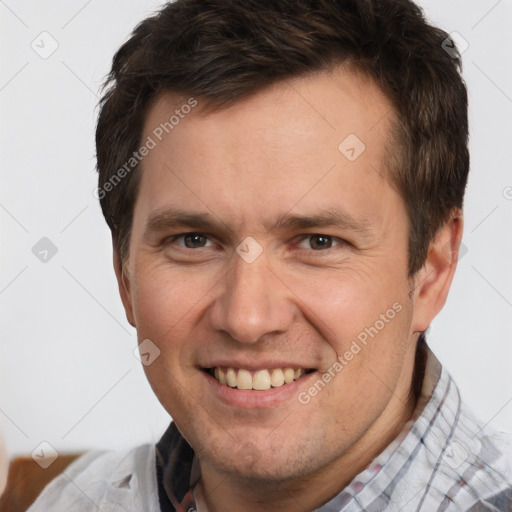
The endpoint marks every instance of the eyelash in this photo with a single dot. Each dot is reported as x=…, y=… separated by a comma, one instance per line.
x=339, y=241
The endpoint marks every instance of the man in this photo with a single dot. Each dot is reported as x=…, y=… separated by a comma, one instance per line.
x=284, y=183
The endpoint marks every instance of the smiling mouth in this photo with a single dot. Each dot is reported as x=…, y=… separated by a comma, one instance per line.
x=259, y=380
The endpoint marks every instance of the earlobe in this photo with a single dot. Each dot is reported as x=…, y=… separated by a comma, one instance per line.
x=432, y=283
x=123, y=282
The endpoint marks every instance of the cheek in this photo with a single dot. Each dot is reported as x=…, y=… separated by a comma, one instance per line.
x=369, y=334
x=167, y=305
x=166, y=301
x=365, y=318
x=343, y=302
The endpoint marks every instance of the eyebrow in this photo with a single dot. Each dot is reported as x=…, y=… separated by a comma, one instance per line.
x=325, y=218
x=180, y=218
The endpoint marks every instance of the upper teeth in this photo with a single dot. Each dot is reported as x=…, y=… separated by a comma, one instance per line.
x=260, y=380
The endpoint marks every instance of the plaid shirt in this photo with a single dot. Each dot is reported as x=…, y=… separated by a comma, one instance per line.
x=444, y=460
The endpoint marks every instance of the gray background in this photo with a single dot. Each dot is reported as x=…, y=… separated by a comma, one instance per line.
x=68, y=375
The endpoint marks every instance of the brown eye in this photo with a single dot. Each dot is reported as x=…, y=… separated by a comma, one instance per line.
x=194, y=240
x=323, y=245
x=318, y=242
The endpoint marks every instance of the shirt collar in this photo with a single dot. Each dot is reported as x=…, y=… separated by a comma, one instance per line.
x=174, y=462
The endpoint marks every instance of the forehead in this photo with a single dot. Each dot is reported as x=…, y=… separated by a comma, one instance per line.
x=334, y=102
x=325, y=135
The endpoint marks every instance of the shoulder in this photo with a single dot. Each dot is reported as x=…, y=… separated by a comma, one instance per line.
x=105, y=480
x=450, y=459
x=481, y=458
x=473, y=468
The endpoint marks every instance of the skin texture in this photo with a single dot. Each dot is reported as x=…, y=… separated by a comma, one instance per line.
x=271, y=155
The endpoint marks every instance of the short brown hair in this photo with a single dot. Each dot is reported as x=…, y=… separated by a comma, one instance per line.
x=221, y=51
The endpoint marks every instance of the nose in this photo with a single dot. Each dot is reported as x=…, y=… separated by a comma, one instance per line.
x=252, y=301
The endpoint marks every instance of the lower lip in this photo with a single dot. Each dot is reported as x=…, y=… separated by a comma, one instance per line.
x=251, y=399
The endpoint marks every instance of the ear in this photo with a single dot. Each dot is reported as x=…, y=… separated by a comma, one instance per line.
x=433, y=281
x=123, y=282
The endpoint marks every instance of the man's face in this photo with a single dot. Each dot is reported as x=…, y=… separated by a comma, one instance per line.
x=297, y=294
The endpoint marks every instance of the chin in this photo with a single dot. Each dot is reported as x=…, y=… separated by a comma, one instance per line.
x=250, y=461
x=264, y=471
